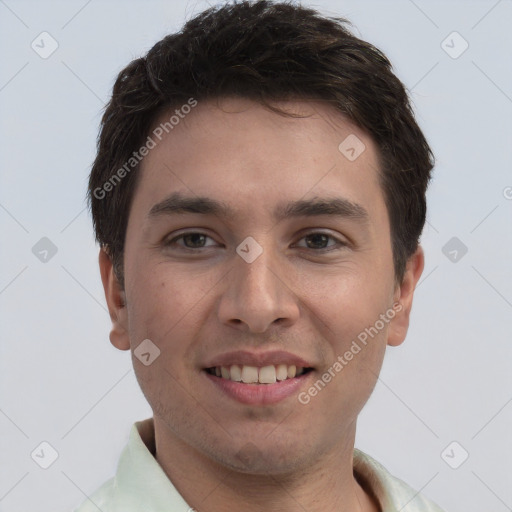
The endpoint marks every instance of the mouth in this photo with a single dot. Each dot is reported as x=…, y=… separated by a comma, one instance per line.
x=255, y=375
x=258, y=386
x=257, y=378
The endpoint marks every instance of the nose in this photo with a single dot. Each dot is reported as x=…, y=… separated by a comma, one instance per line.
x=258, y=295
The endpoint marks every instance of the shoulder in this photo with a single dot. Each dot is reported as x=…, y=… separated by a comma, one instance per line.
x=392, y=493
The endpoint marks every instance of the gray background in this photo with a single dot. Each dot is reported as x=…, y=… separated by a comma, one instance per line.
x=61, y=380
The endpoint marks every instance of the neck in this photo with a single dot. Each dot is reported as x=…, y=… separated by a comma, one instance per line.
x=326, y=485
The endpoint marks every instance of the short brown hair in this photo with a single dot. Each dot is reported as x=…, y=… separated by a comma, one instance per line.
x=264, y=51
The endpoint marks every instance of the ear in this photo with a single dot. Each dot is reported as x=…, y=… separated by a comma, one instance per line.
x=116, y=303
x=404, y=293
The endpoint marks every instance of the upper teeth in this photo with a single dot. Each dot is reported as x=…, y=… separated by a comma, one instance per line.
x=253, y=374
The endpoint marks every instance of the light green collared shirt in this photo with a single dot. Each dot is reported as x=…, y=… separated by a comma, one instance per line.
x=140, y=484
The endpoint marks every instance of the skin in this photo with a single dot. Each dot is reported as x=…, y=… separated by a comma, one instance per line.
x=294, y=297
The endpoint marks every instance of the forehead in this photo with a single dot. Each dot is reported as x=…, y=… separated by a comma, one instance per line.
x=241, y=152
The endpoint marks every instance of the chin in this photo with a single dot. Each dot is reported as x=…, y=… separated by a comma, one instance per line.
x=267, y=460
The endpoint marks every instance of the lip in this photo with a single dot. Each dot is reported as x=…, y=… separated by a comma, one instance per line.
x=259, y=394
x=244, y=357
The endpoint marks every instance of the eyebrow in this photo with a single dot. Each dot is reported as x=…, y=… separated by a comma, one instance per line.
x=177, y=203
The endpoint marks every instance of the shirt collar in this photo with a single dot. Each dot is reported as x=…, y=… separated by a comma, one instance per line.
x=141, y=483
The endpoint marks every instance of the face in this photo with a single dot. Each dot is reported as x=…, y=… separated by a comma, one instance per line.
x=287, y=260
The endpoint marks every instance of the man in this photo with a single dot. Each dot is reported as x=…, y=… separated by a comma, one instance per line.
x=258, y=195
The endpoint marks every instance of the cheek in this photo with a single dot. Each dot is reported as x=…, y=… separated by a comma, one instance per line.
x=155, y=308
x=356, y=299
x=357, y=348
x=354, y=317
x=161, y=309
x=167, y=306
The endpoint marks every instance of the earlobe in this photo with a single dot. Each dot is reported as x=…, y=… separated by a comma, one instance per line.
x=115, y=298
x=405, y=291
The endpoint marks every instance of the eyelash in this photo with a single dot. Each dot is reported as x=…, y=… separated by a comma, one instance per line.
x=339, y=244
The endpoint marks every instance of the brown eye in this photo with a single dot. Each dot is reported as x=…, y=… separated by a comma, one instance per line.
x=319, y=241
x=195, y=239
x=192, y=240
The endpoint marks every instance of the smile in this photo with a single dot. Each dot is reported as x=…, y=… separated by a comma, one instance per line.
x=257, y=375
